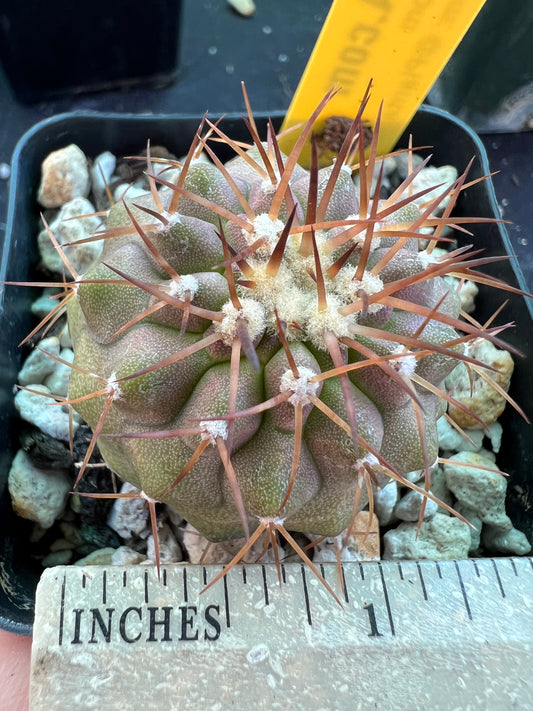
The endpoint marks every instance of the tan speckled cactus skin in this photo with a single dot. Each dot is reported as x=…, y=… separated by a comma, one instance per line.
x=260, y=345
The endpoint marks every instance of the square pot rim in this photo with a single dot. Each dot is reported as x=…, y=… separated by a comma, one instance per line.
x=56, y=122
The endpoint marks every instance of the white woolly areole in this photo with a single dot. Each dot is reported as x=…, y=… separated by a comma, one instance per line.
x=369, y=459
x=349, y=287
x=406, y=365
x=112, y=387
x=274, y=520
x=185, y=287
x=172, y=218
x=426, y=259
x=144, y=496
x=264, y=228
x=267, y=187
x=252, y=312
x=301, y=387
x=329, y=319
x=211, y=429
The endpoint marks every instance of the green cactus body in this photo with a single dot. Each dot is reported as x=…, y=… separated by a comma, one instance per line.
x=245, y=368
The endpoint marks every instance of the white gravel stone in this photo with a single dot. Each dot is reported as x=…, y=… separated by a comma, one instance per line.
x=483, y=493
x=58, y=381
x=199, y=548
x=440, y=490
x=38, y=366
x=67, y=230
x=102, y=556
x=124, y=555
x=384, y=502
x=64, y=175
x=410, y=506
x=474, y=392
x=356, y=548
x=495, y=432
x=511, y=542
x=169, y=549
x=42, y=306
x=37, y=494
x=57, y=558
x=102, y=170
x=440, y=538
x=415, y=476
x=475, y=528
x=39, y=411
x=128, y=517
x=443, y=176
x=129, y=191
x=477, y=485
x=243, y=7
x=451, y=440
x=468, y=291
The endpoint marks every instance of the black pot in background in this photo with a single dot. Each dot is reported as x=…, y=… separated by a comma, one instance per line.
x=57, y=47
x=453, y=143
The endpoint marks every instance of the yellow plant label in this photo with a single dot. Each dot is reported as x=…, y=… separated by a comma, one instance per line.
x=401, y=45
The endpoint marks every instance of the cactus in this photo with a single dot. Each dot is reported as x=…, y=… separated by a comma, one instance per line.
x=260, y=346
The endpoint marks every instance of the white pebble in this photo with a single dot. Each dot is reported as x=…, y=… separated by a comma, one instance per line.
x=57, y=382
x=102, y=170
x=39, y=411
x=39, y=365
x=64, y=176
x=410, y=506
x=169, y=549
x=67, y=229
x=37, y=494
x=128, y=517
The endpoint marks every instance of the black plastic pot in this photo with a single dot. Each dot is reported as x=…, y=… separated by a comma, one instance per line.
x=454, y=143
x=49, y=49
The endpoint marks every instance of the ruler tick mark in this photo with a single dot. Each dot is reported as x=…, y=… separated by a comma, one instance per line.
x=104, y=587
x=146, y=586
x=387, y=602
x=439, y=571
x=463, y=590
x=226, y=601
x=476, y=568
x=361, y=571
x=62, y=610
x=204, y=575
x=124, y=579
x=265, y=586
x=83, y=581
x=422, y=582
x=400, y=571
x=185, y=592
x=283, y=575
x=306, y=596
x=344, y=586
x=165, y=576
x=244, y=579
x=513, y=566
x=497, y=573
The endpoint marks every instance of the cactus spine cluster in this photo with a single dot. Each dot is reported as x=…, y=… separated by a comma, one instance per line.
x=260, y=346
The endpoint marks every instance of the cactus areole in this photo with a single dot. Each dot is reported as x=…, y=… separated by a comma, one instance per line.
x=260, y=345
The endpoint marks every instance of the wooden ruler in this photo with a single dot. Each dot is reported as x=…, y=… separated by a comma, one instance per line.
x=425, y=635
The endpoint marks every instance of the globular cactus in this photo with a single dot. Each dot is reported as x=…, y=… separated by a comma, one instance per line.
x=260, y=346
